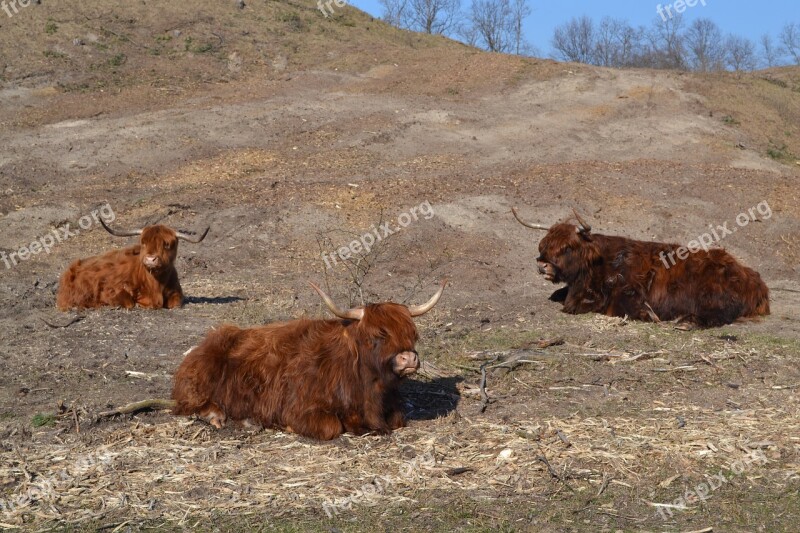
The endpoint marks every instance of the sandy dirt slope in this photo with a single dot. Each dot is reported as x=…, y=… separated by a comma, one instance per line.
x=286, y=168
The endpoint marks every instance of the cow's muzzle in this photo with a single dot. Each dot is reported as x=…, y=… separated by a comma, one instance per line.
x=152, y=262
x=405, y=364
x=547, y=270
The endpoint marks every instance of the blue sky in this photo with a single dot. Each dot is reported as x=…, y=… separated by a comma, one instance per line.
x=750, y=19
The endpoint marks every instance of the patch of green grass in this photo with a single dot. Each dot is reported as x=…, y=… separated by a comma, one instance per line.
x=293, y=20
x=51, y=27
x=730, y=121
x=780, y=153
x=203, y=48
x=7, y=415
x=41, y=420
x=52, y=54
x=117, y=60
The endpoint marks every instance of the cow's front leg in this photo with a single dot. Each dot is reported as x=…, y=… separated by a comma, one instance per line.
x=396, y=419
x=174, y=299
x=212, y=414
x=394, y=413
x=123, y=298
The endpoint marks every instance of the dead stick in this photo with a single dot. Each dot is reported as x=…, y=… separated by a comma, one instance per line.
x=553, y=473
x=484, y=396
x=144, y=405
x=68, y=324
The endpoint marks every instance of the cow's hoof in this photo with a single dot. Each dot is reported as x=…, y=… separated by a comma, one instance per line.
x=215, y=418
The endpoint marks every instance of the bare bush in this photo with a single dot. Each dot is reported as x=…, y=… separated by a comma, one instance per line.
x=575, y=41
x=740, y=53
x=705, y=49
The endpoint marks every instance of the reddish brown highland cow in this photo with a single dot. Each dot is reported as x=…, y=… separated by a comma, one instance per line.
x=143, y=274
x=317, y=378
x=624, y=277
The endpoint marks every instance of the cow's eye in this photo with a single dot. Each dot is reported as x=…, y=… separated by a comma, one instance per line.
x=167, y=246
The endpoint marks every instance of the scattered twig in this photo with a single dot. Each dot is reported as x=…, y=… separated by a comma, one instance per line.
x=124, y=38
x=144, y=405
x=709, y=361
x=652, y=314
x=604, y=485
x=552, y=471
x=563, y=438
x=140, y=375
x=484, y=396
x=68, y=324
x=783, y=289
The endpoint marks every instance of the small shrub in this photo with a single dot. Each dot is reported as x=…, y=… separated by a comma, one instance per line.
x=40, y=420
x=117, y=60
x=51, y=27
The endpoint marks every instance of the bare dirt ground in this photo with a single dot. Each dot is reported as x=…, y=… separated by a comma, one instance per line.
x=291, y=135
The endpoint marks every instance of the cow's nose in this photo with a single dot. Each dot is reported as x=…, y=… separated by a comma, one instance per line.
x=151, y=261
x=542, y=267
x=407, y=363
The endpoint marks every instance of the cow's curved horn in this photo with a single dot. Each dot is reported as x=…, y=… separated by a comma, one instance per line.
x=350, y=314
x=586, y=228
x=191, y=239
x=419, y=310
x=119, y=233
x=527, y=224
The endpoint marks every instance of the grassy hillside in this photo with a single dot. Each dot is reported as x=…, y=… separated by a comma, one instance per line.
x=93, y=44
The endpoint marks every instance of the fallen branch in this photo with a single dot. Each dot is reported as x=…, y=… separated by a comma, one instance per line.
x=552, y=471
x=484, y=396
x=144, y=405
x=68, y=324
x=783, y=289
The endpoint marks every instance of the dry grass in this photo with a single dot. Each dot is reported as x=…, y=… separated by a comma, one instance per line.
x=180, y=471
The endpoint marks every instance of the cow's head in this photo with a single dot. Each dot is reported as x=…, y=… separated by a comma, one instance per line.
x=565, y=251
x=158, y=245
x=386, y=331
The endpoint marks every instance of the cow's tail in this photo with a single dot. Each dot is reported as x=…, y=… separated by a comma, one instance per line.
x=204, y=367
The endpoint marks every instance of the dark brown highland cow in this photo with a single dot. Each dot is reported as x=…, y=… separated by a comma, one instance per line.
x=317, y=378
x=623, y=277
x=143, y=274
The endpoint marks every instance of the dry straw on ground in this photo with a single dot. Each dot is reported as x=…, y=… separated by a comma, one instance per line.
x=178, y=470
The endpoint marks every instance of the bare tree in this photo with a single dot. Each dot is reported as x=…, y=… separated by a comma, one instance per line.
x=575, y=41
x=520, y=10
x=429, y=16
x=704, y=46
x=435, y=16
x=492, y=19
x=395, y=12
x=605, y=43
x=770, y=54
x=667, y=48
x=740, y=53
x=469, y=33
x=790, y=40
x=616, y=43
